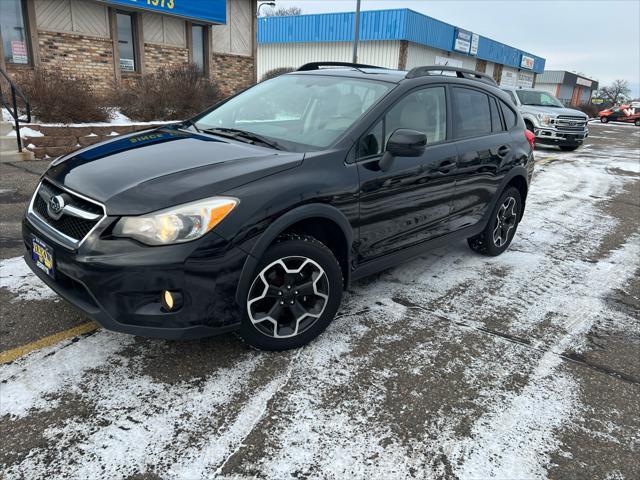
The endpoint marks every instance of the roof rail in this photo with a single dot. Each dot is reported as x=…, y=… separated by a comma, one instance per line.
x=460, y=73
x=316, y=65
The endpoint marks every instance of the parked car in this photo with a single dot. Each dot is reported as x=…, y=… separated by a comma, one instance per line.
x=550, y=121
x=257, y=214
x=623, y=113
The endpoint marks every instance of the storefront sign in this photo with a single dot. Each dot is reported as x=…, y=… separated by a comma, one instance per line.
x=19, y=52
x=525, y=79
x=583, y=81
x=475, y=42
x=527, y=62
x=597, y=101
x=210, y=11
x=462, y=41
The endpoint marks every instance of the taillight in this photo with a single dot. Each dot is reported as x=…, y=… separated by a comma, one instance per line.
x=531, y=138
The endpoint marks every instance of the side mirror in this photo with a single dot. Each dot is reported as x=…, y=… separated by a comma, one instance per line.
x=403, y=143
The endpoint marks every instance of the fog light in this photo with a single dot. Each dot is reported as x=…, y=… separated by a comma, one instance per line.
x=170, y=300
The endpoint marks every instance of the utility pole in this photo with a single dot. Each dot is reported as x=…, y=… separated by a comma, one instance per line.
x=356, y=36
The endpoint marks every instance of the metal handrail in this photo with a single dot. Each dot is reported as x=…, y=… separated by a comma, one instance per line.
x=12, y=107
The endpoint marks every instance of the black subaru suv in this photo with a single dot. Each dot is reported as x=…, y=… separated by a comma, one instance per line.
x=255, y=215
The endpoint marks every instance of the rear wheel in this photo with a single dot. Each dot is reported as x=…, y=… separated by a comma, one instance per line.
x=568, y=148
x=501, y=227
x=604, y=119
x=294, y=295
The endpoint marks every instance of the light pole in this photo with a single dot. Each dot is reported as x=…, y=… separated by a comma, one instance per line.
x=271, y=4
x=356, y=36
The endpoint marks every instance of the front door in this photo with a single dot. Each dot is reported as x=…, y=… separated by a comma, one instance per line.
x=410, y=202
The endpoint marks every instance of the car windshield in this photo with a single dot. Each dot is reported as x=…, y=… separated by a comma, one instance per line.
x=297, y=112
x=538, y=98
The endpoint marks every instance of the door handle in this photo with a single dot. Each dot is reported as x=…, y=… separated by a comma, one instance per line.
x=503, y=151
x=446, y=166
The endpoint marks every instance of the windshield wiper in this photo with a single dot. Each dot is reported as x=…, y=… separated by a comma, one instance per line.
x=243, y=135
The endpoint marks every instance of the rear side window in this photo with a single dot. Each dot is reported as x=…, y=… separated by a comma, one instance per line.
x=510, y=118
x=496, y=122
x=472, y=115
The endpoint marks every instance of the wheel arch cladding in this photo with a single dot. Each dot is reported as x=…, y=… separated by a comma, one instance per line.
x=324, y=222
x=520, y=183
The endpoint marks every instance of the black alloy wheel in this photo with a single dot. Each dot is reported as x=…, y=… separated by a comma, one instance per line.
x=502, y=225
x=294, y=294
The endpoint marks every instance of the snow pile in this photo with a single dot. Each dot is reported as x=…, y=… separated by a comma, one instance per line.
x=16, y=277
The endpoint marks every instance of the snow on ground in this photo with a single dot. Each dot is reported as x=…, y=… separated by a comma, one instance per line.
x=16, y=277
x=26, y=132
x=371, y=398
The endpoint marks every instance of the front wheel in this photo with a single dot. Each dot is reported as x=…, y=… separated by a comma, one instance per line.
x=502, y=225
x=637, y=122
x=604, y=119
x=294, y=295
x=568, y=148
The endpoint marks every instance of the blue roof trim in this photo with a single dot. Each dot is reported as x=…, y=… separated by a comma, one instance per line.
x=399, y=24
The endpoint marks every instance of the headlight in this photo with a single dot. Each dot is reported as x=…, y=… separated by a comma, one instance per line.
x=176, y=224
x=545, y=119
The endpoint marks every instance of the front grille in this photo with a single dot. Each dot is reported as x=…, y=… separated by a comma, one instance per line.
x=568, y=123
x=69, y=225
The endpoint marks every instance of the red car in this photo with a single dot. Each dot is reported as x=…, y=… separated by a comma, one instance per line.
x=623, y=113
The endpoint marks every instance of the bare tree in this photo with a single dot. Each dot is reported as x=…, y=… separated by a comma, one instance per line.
x=615, y=93
x=283, y=12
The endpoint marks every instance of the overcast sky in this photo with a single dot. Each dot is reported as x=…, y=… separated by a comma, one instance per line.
x=599, y=38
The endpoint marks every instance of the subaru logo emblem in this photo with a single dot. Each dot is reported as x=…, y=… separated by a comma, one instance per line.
x=56, y=207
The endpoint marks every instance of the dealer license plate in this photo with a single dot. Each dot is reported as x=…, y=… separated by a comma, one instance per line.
x=42, y=255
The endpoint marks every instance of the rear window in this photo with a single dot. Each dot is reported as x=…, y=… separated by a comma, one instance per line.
x=496, y=123
x=472, y=115
x=510, y=117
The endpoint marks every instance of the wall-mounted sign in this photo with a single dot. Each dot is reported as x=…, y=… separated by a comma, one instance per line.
x=525, y=79
x=462, y=41
x=210, y=11
x=127, y=65
x=19, y=52
x=475, y=42
x=583, y=81
x=527, y=62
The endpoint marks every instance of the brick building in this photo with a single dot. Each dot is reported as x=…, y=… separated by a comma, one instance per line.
x=111, y=41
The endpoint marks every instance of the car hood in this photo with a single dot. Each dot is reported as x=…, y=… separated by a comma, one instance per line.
x=554, y=111
x=155, y=169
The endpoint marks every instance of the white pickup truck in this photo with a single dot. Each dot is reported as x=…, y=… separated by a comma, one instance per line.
x=550, y=121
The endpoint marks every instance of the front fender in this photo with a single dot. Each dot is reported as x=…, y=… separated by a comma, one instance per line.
x=313, y=210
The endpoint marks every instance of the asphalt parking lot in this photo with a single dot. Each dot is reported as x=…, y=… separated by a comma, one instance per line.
x=451, y=366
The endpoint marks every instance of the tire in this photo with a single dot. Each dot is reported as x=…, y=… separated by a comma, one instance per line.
x=485, y=243
x=294, y=295
x=568, y=148
x=637, y=122
x=604, y=119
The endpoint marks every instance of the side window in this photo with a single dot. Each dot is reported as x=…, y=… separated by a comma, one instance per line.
x=471, y=115
x=513, y=97
x=510, y=118
x=372, y=142
x=424, y=111
x=496, y=123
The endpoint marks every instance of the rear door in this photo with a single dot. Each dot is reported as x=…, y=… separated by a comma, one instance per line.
x=410, y=202
x=484, y=153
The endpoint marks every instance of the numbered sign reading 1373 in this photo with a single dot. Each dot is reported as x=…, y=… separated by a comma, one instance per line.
x=162, y=3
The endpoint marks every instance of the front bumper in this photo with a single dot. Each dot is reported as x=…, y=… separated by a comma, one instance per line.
x=551, y=136
x=118, y=283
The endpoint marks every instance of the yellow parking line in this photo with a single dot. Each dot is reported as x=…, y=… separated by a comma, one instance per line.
x=14, y=353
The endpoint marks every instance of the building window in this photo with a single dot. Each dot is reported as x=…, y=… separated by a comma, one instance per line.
x=13, y=30
x=126, y=42
x=198, y=39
